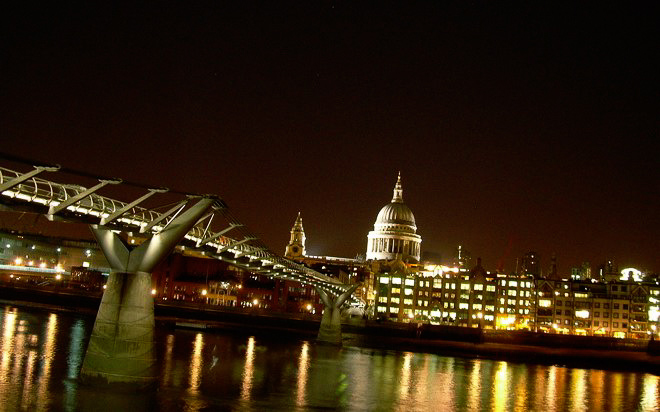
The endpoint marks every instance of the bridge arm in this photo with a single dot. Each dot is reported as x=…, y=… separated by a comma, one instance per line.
x=25, y=176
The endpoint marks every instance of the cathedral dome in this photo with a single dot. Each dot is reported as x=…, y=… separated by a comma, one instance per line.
x=395, y=214
x=394, y=235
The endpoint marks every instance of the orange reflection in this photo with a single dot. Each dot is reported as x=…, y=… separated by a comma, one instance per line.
x=303, y=366
x=501, y=388
x=9, y=325
x=48, y=354
x=167, y=369
x=444, y=392
x=596, y=387
x=248, y=371
x=405, y=376
x=578, y=391
x=194, y=402
x=474, y=387
x=649, y=401
x=27, y=383
x=520, y=397
x=18, y=345
x=420, y=379
x=196, y=364
x=616, y=391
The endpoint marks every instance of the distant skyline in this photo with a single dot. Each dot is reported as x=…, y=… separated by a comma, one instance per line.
x=516, y=129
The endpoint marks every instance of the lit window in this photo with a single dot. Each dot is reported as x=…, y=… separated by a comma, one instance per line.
x=384, y=280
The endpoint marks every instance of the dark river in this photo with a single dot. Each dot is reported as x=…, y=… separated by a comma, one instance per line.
x=42, y=353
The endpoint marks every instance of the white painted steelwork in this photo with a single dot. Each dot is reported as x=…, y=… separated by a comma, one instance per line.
x=71, y=202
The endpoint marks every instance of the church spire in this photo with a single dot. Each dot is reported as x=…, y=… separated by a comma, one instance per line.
x=398, y=191
x=296, y=246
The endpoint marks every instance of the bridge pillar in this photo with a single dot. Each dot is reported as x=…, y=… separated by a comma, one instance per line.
x=121, y=349
x=330, y=330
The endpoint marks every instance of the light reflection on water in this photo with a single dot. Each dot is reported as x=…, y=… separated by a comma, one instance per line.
x=303, y=366
x=42, y=354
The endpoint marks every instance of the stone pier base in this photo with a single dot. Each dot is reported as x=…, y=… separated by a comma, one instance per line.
x=121, y=349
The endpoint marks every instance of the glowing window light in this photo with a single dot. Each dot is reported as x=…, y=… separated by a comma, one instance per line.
x=654, y=313
x=545, y=303
x=584, y=314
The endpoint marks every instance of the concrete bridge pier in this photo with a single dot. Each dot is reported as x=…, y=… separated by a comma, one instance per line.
x=330, y=330
x=121, y=349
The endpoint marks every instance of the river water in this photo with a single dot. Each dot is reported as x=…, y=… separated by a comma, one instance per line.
x=42, y=353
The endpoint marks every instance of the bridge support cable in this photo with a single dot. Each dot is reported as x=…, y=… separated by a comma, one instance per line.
x=230, y=245
x=330, y=329
x=176, y=209
x=126, y=208
x=121, y=349
x=25, y=176
x=214, y=236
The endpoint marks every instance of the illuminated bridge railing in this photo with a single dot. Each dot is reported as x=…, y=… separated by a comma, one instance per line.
x=71, y=202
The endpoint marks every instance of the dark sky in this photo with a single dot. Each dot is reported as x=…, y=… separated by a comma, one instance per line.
x=514, y=128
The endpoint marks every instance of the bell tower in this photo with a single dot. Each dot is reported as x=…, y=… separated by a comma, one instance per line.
x=296, y=246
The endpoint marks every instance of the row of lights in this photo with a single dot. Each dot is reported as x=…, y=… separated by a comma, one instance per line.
x=57, y=277
x=19, y=262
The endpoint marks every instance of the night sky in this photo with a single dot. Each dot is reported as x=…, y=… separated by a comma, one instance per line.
x=514, y=128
